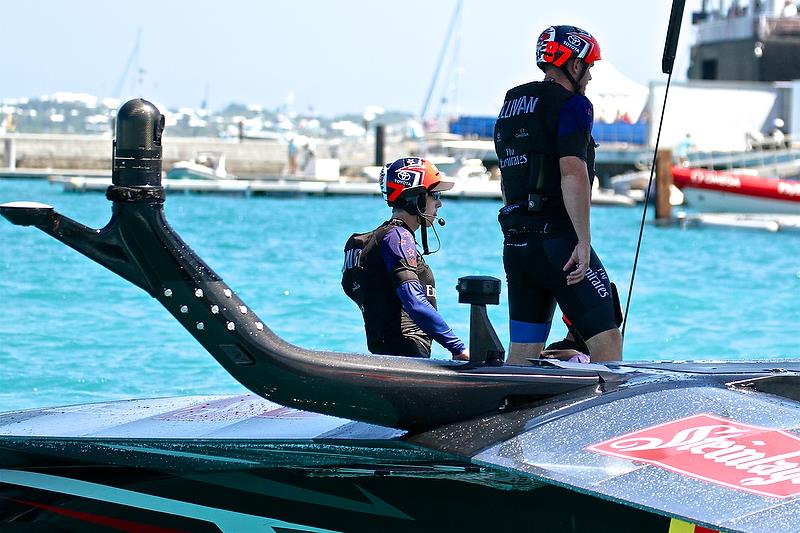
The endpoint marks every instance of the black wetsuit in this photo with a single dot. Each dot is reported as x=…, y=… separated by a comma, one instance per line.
x=400, y=297
x=541, y=122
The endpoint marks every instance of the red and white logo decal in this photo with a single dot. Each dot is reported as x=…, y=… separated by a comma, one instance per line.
x=749, y=458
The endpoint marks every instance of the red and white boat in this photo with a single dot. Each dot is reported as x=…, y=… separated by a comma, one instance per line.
x=727, y=192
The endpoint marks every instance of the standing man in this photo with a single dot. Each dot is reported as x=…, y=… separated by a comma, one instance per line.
x=546, y=151
x=389, y=279
x=683, y=148
x=292, y=154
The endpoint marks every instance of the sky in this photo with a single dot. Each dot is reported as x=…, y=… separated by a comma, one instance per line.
x=326, y=56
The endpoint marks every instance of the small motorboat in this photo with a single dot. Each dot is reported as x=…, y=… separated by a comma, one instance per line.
x=203, y=166
x=728, y=192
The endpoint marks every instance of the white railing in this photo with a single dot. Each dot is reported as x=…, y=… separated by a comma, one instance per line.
x=741, y=27
x=767, y=156
x=727, y=29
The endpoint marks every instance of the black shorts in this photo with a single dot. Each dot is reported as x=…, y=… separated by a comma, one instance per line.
x=406, y=346
x=536, y=281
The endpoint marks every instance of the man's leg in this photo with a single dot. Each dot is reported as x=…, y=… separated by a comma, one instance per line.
x=530, y=306
x=594, y=312
x=527, y=340
x=606, y=346
x=520, y=352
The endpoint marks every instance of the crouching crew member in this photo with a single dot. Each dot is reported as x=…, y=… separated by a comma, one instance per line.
x=388, y=277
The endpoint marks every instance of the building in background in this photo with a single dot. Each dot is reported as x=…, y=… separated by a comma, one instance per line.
x=746, y=40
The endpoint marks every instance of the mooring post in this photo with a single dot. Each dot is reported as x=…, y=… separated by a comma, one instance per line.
x=380, y=143
x=10, y=151
x=663, y=186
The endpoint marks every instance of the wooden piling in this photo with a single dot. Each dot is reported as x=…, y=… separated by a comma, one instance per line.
x=663, y=186
x=380, y=141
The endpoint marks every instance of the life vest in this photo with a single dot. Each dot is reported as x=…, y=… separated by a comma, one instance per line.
x=525, y=137
x=367, y=282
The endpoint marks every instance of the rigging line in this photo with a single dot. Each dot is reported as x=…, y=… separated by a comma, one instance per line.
x=451, y=81
x=667, y=63
x=644, y=211
x=445, y=46
x=133, y=58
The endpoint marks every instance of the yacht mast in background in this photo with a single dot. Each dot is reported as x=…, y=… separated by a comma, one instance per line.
x=454, y=67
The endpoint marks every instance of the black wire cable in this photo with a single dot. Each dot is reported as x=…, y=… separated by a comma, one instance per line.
x=644, y=211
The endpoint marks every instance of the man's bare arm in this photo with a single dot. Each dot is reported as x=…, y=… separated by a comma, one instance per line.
x=577, y=200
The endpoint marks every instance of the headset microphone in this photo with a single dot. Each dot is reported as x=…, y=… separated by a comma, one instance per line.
x=433, y=218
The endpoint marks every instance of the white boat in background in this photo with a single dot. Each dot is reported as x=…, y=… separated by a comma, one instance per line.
x=203, y=166
x=634, y=186
x=755, y=221
x=470, y=168
x=726, y=192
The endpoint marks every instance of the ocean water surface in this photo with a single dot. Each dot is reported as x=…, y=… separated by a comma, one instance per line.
x=73, y=332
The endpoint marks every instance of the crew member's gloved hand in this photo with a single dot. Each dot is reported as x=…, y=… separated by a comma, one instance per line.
x=463, y=356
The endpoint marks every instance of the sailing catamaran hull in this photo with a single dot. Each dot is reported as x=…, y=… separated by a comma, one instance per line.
x=242, y=462
x=362, y=497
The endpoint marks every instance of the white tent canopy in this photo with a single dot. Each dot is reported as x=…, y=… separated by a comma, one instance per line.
x=614, y=95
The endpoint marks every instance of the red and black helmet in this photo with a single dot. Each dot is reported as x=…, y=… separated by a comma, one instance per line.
x=557, y=44
x=408, y=177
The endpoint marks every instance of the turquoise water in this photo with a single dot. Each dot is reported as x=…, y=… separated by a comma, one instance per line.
x=73, y=332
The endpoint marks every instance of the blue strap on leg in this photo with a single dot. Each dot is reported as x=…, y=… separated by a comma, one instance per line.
x=528, y=332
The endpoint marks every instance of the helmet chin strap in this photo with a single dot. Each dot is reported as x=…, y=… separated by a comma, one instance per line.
x=576, y=83
x=412, y=208
x=423, y=222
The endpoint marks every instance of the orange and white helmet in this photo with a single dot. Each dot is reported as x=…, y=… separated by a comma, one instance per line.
x=408, y=177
